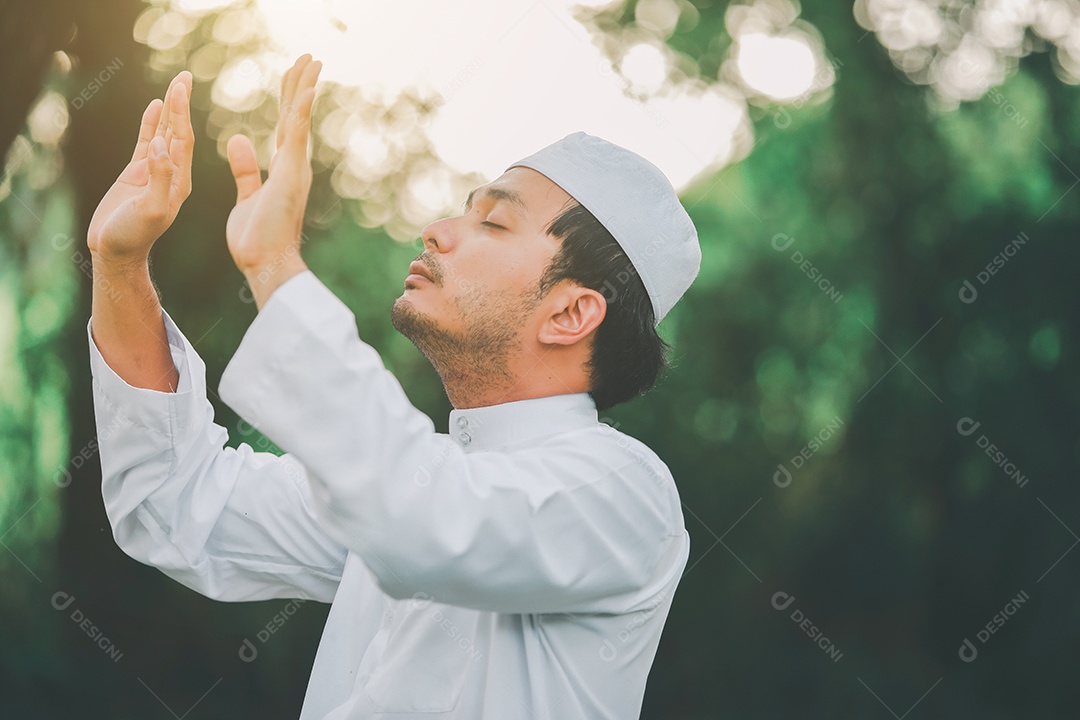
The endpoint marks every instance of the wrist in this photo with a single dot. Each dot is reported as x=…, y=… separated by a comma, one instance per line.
x=264, y=278
x=121, y=280
x=119, y=266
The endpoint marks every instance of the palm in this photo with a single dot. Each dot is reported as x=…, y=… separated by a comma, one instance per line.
x=239, y=219
x=259, y=221
x=135, y=211
x=116, y=216
x=264, y=227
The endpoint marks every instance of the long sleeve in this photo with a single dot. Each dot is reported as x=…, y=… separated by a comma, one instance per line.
x=231, y=524
x=576, y=523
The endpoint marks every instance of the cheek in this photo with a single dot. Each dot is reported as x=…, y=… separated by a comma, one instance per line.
x=491, y=272
x=468, y=282
x=528, y=270
x=475, y=271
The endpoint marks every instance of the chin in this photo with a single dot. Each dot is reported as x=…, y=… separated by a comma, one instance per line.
x=402, y=304
x=407, y=320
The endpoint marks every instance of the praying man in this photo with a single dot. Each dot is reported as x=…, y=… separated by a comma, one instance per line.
x=521, y=565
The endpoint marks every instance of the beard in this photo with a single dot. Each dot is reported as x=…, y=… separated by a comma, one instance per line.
x=478, y=357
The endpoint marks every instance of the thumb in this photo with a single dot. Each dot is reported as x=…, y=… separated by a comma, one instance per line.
x=244, y=165
x=161, y=172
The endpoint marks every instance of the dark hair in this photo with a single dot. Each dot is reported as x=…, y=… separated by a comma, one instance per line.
x=628, y=355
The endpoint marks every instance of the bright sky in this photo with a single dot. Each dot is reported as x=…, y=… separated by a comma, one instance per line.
x=516, y=75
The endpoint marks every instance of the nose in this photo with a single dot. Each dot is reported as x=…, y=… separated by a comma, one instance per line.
x=439, y=236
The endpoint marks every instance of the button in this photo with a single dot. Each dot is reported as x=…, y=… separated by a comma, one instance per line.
x=462, y=422
x=465, y=439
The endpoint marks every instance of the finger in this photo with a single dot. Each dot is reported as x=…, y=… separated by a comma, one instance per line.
x=308, y=77
x=182, y=143
x=289, y=81
x=179, y=102
x=163, y=120
x=146, y=129
x=288, y=90
x=299, y=125
x=161, y=172
x=244, y=165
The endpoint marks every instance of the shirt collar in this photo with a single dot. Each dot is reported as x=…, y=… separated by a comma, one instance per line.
x=497, y=426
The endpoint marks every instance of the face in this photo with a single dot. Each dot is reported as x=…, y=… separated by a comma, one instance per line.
x=485, y=268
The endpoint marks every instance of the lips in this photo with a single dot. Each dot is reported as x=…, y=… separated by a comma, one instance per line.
x=418, y=268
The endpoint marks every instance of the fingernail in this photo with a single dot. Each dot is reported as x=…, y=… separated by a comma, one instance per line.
x=158, y=146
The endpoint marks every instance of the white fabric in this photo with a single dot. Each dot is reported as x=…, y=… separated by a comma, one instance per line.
x=522, y=566
x=637, y=204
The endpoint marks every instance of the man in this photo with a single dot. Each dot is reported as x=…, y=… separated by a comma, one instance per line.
x=521, y=566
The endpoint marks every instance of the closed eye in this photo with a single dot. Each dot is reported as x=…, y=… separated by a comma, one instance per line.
x=492, y=225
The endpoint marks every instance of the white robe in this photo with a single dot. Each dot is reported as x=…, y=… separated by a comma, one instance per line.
x=521, y=566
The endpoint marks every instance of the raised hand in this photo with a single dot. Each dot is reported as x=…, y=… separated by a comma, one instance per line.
x=263, y=230
x=147, y=195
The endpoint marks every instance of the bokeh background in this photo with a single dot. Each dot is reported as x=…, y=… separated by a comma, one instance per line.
x=871, y=418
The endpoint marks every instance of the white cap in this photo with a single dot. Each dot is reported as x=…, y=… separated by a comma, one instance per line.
x=637, y=204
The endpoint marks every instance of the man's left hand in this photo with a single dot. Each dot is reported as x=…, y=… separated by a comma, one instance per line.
x=263, y=230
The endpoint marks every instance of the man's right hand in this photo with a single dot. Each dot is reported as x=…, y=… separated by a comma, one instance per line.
x=144, y=200
x=127, y=324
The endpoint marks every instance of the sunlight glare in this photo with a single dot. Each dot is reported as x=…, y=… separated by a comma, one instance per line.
x=509, y=78
x=779, y=67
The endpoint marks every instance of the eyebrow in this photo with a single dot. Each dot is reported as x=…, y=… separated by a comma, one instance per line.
x=510, y=196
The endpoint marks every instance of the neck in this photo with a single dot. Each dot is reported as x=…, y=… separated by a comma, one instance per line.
x=540, y=373
x=476, y=382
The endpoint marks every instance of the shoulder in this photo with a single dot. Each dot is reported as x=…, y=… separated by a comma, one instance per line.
x=603, y=451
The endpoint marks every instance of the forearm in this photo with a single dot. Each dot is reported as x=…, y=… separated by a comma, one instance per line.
x=231, y=524
x=127, y=326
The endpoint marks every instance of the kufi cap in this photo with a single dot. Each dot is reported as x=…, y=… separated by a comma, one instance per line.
x=637, y=204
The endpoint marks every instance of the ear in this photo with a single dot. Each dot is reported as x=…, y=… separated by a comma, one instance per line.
x=575, y=312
